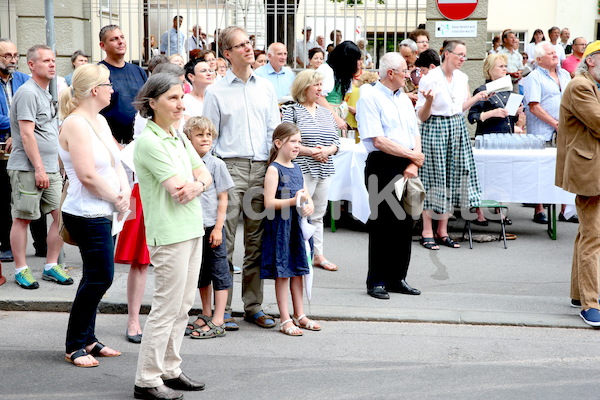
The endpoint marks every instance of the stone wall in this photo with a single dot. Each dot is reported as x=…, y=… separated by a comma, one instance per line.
x=71, y=26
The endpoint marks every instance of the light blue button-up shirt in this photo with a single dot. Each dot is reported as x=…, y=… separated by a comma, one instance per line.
x=172, y=40
x=245, y=114
x=281, y=81
x=540, y=87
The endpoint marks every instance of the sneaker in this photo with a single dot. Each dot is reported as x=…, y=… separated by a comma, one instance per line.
x=26, y=280
x=237, y=270
x=58, y=275
x=591, y=316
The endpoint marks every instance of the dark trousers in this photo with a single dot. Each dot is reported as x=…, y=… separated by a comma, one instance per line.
x=390, y=234
x=39, y=228
x=96, y=246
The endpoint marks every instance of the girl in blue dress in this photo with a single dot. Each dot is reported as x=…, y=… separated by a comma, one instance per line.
x=284, y=256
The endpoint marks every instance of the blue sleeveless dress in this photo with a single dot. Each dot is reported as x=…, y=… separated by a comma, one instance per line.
x=283, y=248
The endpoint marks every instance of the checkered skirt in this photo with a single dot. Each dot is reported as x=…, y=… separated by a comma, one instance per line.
x=448, y=173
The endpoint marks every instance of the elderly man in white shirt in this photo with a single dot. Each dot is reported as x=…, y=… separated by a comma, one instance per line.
x=303, y=46
x=389, y=130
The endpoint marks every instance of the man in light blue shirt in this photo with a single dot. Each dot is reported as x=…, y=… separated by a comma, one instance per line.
x=543, y=91
x=280, y=76
x=244, y=109
x=171, y=42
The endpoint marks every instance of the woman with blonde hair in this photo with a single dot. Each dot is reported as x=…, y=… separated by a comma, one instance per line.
x=98, y=188
x=490, y=114
x=319, y=142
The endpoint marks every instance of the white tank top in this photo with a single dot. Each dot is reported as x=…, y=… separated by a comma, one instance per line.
x=79, y=200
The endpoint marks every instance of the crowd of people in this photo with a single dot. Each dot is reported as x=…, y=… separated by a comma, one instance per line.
x=209, y=145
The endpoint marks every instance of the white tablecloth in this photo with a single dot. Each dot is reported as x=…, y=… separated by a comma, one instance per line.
x=520, y=176
x=348, y=183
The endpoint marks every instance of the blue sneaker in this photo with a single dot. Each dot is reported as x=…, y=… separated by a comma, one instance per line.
x=237, y=270
x=26, y=280
x=591, y=316
x=57, y=274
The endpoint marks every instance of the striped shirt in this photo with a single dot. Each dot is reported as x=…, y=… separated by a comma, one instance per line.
x=317, y=130
x=245, y=114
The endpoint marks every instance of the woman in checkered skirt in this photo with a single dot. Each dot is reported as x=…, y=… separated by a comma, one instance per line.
x=448, y=174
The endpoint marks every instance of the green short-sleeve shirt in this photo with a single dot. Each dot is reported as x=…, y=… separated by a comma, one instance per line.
x=159, y=156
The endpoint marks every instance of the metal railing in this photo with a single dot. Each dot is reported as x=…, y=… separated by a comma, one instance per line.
x=382, y=23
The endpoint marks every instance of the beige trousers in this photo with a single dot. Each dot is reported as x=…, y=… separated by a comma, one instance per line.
x=586, y=252
x=176, y=271
x=246, y=199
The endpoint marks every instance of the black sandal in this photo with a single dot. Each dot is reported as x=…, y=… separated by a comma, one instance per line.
x=448, y=242
x=98, y=348
x=429, y=243
x=76, y=355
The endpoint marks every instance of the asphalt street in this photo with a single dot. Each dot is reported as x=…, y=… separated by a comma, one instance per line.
x=346, y=360
x=491, y=323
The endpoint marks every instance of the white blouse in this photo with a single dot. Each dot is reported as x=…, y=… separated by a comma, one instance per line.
x=449, y=97
x=79, y=200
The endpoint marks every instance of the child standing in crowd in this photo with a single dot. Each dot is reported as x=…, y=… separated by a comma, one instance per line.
x=284, y=256
x=215, y=267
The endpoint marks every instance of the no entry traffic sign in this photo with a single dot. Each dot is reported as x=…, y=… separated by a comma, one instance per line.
x=456, y=9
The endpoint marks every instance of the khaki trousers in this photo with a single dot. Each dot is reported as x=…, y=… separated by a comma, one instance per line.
x=246, y=198
x=176, y=271
x=586, y=252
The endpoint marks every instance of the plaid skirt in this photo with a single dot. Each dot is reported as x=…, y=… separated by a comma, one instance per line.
x=448, y=174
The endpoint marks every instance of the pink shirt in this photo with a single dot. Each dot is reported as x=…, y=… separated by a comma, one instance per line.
x=570, y=63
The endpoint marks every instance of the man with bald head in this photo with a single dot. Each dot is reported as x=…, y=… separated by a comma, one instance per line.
x=275, y=71
x=570, y=63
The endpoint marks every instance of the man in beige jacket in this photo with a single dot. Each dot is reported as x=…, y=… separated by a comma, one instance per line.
x=578, y=171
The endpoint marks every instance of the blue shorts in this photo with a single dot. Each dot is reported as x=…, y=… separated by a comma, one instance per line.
x=215, y=267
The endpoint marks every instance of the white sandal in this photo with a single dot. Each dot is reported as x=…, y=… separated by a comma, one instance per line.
x=310, y=326
x=291, y=331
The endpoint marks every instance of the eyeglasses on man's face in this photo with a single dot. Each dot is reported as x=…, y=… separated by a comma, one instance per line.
x=9, y=56
x=242, y=45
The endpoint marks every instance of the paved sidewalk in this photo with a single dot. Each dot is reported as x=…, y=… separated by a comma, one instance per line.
x=526, y=284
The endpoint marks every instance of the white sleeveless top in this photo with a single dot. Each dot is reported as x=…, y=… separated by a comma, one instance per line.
x=79, y=200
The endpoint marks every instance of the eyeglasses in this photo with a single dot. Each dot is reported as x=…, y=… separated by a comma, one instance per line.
x=106, y=84
x=9, y=56
x=423, y=41
x=404, y=71
x=241, y=45
x=461, y=56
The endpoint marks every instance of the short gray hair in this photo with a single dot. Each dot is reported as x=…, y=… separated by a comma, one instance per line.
x=389, y=61
x=539, y=49
x=157, y=85
x=32, y=53
x=410, y=44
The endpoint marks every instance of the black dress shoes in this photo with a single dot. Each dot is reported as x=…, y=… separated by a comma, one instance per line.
x=184, y=383
x=161, y=392
x=403, y=288
x=378, y=292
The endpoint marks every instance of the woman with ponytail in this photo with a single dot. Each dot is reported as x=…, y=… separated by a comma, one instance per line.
x=98, y=187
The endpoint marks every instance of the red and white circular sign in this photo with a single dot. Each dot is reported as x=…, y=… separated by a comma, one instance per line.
x=457, y=9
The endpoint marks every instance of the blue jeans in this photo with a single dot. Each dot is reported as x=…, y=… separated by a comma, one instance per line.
x=97, y=249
